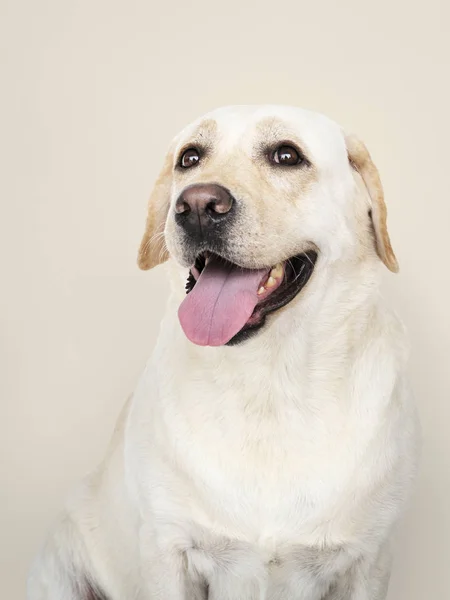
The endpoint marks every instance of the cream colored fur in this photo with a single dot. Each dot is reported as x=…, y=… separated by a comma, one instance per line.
x=278, y=468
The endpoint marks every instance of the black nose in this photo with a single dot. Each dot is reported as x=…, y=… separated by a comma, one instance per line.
x=202, y=207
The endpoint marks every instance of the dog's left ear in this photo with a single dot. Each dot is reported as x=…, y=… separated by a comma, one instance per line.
x=153, y=251
x=361, y=161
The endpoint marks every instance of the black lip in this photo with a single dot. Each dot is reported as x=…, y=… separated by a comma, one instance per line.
x=298, y=271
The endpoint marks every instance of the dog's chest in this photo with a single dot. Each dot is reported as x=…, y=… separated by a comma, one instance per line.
x=271, y=474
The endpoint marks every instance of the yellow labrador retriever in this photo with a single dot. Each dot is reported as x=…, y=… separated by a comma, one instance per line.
x=270, y=445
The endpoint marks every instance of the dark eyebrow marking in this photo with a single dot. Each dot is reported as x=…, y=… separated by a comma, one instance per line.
x=206, y=129
x=202, y=139
x=274, y=132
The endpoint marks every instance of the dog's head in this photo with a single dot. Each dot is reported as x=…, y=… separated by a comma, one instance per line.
x=248, y=200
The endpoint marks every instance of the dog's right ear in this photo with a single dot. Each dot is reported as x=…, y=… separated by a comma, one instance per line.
x=153, y=251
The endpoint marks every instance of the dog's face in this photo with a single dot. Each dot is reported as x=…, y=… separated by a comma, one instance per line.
x=248, y=199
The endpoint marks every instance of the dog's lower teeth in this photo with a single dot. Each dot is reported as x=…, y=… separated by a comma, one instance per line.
x=277, y=271
x=270, y=282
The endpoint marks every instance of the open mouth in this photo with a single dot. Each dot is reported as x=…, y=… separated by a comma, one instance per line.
x=226, y=303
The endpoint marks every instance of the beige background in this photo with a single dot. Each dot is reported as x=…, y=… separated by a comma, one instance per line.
x=91, y=94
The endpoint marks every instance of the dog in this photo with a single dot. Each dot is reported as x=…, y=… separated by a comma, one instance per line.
x=271, y=443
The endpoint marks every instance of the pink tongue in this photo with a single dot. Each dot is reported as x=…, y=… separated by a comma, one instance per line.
x=220, y=304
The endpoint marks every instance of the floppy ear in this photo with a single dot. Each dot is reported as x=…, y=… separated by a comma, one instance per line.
x=153, y=251
x=361, y=161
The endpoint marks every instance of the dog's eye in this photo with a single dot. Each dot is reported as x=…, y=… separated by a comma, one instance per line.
x=286, y=156
x=189, y=158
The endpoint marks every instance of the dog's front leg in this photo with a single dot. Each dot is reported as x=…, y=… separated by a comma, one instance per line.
x=317, y=573
x=367, y=579
x=165, y=575
x=232, y=570
x=307, y=573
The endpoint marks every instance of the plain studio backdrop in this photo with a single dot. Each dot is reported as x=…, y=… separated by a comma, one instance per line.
x=92, y=92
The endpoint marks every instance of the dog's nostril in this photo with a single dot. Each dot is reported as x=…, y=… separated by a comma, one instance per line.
x=182, y=207
x=214, y=207
x=210, y=208
x=220, y=206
